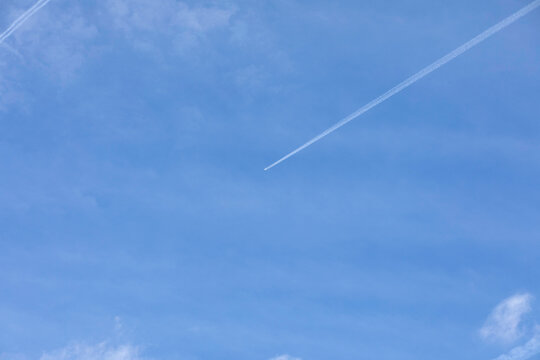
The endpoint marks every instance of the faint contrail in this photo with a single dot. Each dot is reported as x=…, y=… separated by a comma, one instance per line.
x=426, y=71
x=22, y=19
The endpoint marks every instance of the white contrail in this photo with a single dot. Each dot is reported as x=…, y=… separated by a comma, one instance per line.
x=22, y=19
x=426, y=71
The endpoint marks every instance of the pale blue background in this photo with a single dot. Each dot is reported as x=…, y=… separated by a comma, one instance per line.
x=131, y=180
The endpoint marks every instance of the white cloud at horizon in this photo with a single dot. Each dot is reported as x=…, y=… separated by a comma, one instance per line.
x=285, y=357
x=101, y=351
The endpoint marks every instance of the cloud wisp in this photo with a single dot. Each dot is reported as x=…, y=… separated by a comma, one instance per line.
x=181, y=24
x=504, y=325
x=418, y=76
x=526, y=351
x=504, y=322
x=102, y=351
x=22, y=19
x=285, y=357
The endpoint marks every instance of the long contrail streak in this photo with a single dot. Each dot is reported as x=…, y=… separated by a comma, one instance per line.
x=426, y=71
x=22, y=19
x=524, y=352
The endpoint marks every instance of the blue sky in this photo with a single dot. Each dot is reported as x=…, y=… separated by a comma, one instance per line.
x=136, y=221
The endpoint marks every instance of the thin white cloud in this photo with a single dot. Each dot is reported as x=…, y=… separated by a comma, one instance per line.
x=285, y=357
x=58, y=42
x=166, y=15
x=55, y=43
x=504, y=322
x=526, y=351
x=102, y=351
x=183, y=25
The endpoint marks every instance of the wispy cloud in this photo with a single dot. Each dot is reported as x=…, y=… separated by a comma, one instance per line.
x=504, y=325
x=102, y=351
x=9, y=92
x=285, y=357
x=160, y=15
x=504, y=322
x=58, y=42
x=182, y=24
x=524, y=352
x=55, y=44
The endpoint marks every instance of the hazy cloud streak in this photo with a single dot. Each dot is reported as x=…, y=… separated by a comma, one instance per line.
x=524, y=352
x=426, y=71
x=504, y=322
x=22, y=19
x=102, y=351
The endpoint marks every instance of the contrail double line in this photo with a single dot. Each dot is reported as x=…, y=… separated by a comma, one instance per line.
x=421, y=74
x=22, y=19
